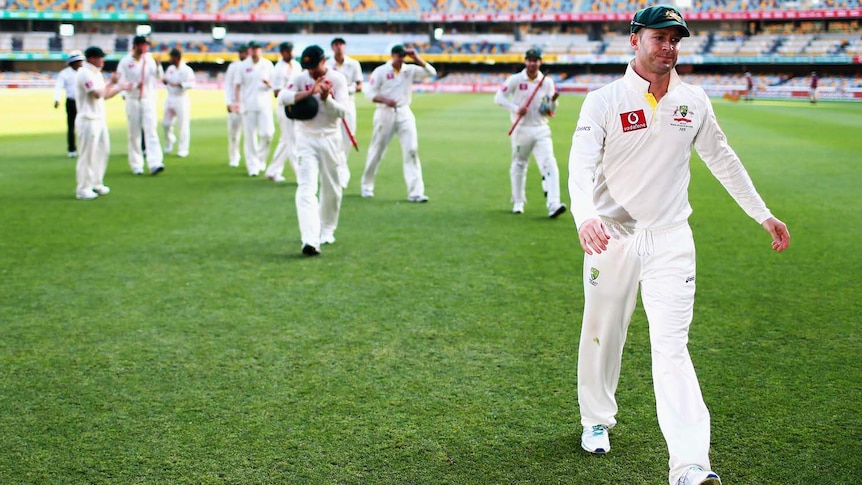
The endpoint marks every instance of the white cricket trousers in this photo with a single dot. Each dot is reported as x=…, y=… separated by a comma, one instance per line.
x=286, y=148
x=178, y=112
x=234, y=138
x=536, y=140
x=141, y=116
x=258, y=129
x=350, y=119
x=94, y=146
x=388, y=122
x=663, y=262
x=318, y=156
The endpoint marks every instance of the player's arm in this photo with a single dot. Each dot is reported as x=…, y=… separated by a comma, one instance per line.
x=358, y=77
x=334, y=97
x=373, y=90
x=237, y=87
x=59, y=87
x=291, y=94
x=588, y=143
x=712, y=146
x=505, y=93
x=189, y=79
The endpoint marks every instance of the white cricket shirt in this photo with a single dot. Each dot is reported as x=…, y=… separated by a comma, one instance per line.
x=630, y=157
x=513, y=94
x=350, y=68
x=329, y=114
x=182, y=75
x=130, y=71
x=396, y=85
x=284, y=72
x=88, y=79
x=230, y=80
x=65, y=84
x=254, y=93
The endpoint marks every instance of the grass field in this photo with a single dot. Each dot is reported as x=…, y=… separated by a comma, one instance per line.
x=170, y=332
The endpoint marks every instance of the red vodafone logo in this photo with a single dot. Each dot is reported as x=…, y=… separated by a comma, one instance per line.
x=633, y=120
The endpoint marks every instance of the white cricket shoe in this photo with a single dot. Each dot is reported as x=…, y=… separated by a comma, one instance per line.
x=73, y=154
x=367, y=194
x=169, y=148
x=518, y=208
x=233, y=164
x=102, y=189
x=417, y=198
x=696, y=475
x=137, y=172
x=596, y=440
x=556, y=211
x=89, y=195
x=327, y=239
x=279, y=179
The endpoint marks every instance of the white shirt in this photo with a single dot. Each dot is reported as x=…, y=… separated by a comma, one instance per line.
x=182, y=75
x=351, y=69
x=65, y=83
x=88, y=79
x=254, y=93
x=230, y=79
x=630, y=162
x=327, y=121
x=396, y=85
x=515, y=92
x=284, y=72
x=130, y=71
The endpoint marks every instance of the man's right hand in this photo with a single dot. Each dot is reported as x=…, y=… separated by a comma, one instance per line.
x=594, y=236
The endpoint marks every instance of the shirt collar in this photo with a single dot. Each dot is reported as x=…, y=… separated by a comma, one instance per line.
x=641, y=85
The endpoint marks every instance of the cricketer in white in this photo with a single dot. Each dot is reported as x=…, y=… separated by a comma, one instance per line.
x=319, y=148
x=141, y=72
x=628, y=179
x=179, y=78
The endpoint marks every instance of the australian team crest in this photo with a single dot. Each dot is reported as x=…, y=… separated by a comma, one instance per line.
x=681, y=116
x=594, y=275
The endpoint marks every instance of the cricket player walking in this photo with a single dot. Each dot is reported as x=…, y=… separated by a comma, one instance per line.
x=285, y=69
x=531, y=98
x=319, y=148
x=179, y=78
x=234, y=118
x=92, y=126
x=251, y=98
x=391, y=87
x=142, y=72
x=66, y=85
x=628, y=179
x=352, y=70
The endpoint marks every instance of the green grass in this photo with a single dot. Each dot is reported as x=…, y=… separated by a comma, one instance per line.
x=171, y=333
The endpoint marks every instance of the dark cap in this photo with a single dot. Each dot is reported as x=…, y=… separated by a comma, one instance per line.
x=311, y=57
x=175, y=52
x=399, y=50
x=241, y=47
x=285, y=46
x=534, y=53
x=254, y=45
x=94, y=51
x=659, y=17
x=338, y=40
x=140, y=39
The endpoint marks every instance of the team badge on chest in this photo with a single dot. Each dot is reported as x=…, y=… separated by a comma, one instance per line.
x=682, y=117
x=633, y=120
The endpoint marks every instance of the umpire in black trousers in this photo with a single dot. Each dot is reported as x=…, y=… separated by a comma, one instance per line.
x=66, y=84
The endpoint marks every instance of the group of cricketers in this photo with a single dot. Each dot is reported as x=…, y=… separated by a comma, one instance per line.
x=628, y=181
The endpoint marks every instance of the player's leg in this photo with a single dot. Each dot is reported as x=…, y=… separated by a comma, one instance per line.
x=251, y=144
x=409, y=140
x=71, y=114
x=168, y=119
x=283, y=150
x=332, y=158
x=610, y=294
x=384, y=128
x=101, y=153
x=668, y=288
x=307, y=205
x=86, y=145
x=155, y=157
x=543, y=151
x=184, y=122
x=266, y=129
x=234, y=137
x=522, y=145
x=133, y=119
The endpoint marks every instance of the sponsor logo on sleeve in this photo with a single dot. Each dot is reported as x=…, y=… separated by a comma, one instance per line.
x=88, y=84
x=390, y=75
x=523, y=86
x=582, y=129
x=504, y=88
x=633, y=120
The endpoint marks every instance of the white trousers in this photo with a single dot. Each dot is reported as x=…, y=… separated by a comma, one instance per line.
x=663, y=262
x=318, y=159
x=141, y=116
x=350, y=119
x=286, y=148
x=178, y=112
x=94, y=147
x=258, y=129
x=389, y=122
x=234, y=138
x=536, y=140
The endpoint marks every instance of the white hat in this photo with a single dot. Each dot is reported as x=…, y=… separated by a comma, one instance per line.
x=74, y=56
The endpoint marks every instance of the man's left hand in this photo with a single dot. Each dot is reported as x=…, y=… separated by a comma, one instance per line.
x=779, y=233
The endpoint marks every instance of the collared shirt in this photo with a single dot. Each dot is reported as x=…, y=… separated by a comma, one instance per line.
x=629, y=160
x=284, y=72
x=182, y=75
x=515, y=92
x=88, y=79
x=327, y=120
x=254, y=93
x=65, y=83
x=396, y=85
x=351, y=69
x=230, y=81
x=130, y=70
